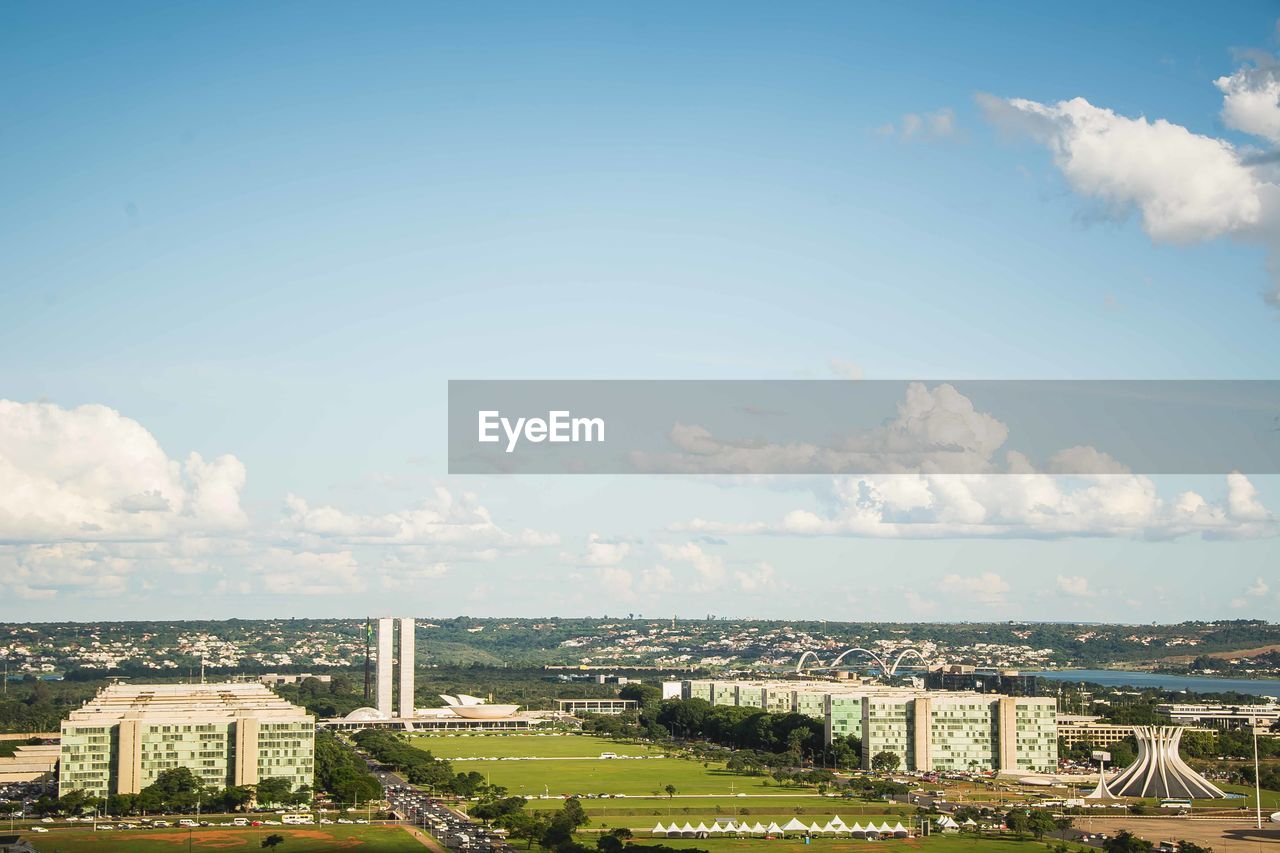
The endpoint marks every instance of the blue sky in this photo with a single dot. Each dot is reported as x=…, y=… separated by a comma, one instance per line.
x=275, y=232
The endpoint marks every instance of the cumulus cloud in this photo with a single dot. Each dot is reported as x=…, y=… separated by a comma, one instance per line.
x=1186, y=187
x=91, y=505
x=1251, y=97
x=950, y=478
x=933, y=429
x=1012, y=505
x=599, y=552
x=709, y=568
x=92, y=474
x=445, y=519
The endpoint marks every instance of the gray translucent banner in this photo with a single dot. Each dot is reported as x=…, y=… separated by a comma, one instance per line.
x=864, y=427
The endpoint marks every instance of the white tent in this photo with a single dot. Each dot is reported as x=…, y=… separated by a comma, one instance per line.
x=716, y=828
x=814, y=828
x=837, y=824
x=857, y=829
x=947, y=824
x=759, y=829
x=702, y=828
x=794, y=825
x=688, y=827
x=899, y=830
x=832, y=828
x=774, y=829
x=727, y=827
x=659, y=829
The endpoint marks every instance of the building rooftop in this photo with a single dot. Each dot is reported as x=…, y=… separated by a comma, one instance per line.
x=182, y=701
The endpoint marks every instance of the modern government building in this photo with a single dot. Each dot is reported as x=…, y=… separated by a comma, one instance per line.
x=929, y=730
x=227, y=734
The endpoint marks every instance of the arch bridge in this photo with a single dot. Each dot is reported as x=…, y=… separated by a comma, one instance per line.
x=882, y=662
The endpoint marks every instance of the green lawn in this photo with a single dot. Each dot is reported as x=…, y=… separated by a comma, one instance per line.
x=1270, y=799
x=318, y=839
x=932, y=844
x=525, y=745
x=709, y=808
x=633, y=777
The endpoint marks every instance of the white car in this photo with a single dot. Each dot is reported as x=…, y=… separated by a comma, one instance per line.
x=38, y=829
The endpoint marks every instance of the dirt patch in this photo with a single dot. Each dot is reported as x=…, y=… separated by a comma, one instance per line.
x=1224, y=836
x=214, y=839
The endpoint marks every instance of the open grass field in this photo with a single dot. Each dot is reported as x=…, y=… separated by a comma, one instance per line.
x=630, y=776
x=647, y=810
x=525, y=746
x=375, y=839
x=643, y=826
x=1270, y=799
x=932, y=844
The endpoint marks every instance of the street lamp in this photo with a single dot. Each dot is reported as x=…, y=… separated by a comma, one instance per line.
x=1257, y=776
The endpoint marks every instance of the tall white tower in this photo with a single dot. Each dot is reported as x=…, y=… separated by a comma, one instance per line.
x=406, y=667
x=386, y=630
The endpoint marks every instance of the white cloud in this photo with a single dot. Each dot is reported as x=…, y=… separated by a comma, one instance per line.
x=1187, y=187
x=1251, y=98
x=91, y=474
x=1075, y=586
x=709, y=568
x=1011, y=505
x=599, y=552
x=92, y=506
x=658, y=579
x=759, y=578
x=987, y=588
x=616, y=583
x=444, y=520
x=935, y=429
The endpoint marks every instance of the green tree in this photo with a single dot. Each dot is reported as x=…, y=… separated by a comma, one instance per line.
x=526, y=826
x=272, y=841
x=1040, y=823
x=671, y=790
x=1125, y=841
x=885, y=762
x=274, y=791
x=1018, y=822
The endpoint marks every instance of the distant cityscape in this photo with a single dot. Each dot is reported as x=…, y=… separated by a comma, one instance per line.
x=1246, y=647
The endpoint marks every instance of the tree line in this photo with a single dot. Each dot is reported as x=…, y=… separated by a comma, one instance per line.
x=177, y=791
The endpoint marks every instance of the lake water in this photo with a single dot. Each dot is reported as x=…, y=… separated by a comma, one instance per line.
x=1163, y=681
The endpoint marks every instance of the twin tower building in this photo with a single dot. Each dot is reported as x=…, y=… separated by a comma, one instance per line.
x=386, y=700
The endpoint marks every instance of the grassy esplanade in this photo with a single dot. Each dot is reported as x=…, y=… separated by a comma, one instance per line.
x=529, y=765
